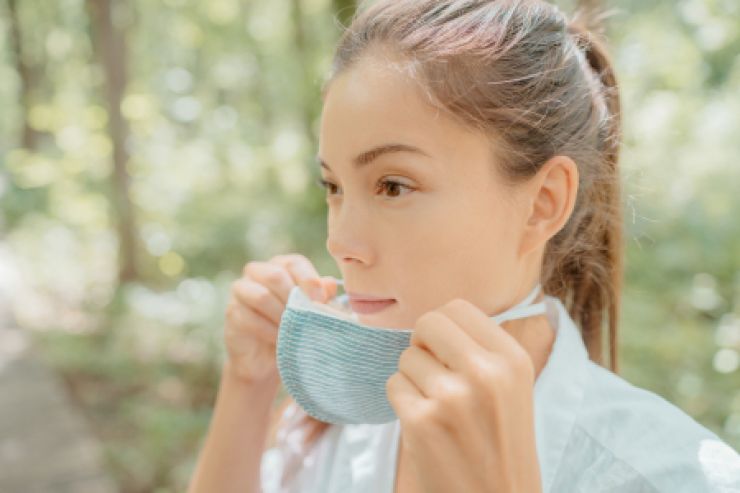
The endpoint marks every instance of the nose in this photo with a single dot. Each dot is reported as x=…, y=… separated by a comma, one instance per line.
x=348, y=238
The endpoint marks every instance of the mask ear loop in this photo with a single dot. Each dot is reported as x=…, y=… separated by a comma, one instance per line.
x=523, y=309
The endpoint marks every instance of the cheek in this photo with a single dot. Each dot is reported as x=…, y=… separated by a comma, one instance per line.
x=447, y=247
x=458, y=229
x=457, y=250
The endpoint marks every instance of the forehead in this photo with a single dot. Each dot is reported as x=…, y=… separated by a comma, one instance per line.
x=376, y=101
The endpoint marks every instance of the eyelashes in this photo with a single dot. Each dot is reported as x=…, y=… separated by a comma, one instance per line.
x=383, y=184
x=326, y=185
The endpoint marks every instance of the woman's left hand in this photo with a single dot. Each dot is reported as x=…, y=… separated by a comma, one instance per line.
x=464, y=396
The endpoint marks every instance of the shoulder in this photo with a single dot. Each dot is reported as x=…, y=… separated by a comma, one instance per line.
x=352, y=457
x=294, y=459
x=640, y=441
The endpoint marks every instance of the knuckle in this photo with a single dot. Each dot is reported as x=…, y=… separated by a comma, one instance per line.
x=245, y=323
x=266, y=272
x=413, y=422
x=250, y=292
x=458, y=304
x=262, y=295
x=286, y=259
x=481, y=368
x=294, y=258
x=421, y=416
x=274, y=276
x=454, y=394
x=415, y=338
x=403, y=360
x=498, y=373
x=301, y=268
x=522, y=364
x=251, y=267
x=427, y=318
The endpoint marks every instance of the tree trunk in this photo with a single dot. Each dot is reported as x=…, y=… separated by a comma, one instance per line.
x=28, y=75
x=303, y=59
x=109, y=41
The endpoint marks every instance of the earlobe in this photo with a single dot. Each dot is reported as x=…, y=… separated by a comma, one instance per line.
x=552, y=197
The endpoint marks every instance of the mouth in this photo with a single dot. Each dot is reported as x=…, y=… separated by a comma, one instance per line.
x=369, y=306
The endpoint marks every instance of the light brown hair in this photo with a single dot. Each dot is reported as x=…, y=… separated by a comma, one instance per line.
x=539, y=84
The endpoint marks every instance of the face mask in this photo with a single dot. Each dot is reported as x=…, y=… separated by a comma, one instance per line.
x=336, y=368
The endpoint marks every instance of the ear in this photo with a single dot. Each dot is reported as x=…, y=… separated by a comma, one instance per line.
x=551, y=195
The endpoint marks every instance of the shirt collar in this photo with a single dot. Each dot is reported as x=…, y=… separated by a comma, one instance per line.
x=558, y=391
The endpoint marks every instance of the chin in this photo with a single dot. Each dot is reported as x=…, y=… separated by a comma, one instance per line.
x=384, y=319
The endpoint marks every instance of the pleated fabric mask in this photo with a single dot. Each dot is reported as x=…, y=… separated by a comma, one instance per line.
x=336, y=368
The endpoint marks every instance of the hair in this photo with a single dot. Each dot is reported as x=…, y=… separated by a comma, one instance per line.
x=539, y=84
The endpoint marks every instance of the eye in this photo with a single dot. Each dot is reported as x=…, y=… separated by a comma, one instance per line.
x=326, y=185
x=393, y=186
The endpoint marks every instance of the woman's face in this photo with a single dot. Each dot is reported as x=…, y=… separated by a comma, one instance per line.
x=424, y=221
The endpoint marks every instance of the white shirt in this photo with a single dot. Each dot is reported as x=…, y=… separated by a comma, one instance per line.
x=595, y=433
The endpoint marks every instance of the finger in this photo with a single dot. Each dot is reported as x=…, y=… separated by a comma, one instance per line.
x=449, y=343
x=481, y=328
x=258, y=297
x=304, y=274
x=275, y=277
x=330, y=286
x=246, y=321
x=424, y=371
x=402, y=394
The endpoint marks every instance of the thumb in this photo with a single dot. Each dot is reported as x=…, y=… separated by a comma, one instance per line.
x=330, y=287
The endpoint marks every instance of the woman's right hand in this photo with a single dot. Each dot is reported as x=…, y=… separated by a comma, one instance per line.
x=254, y=310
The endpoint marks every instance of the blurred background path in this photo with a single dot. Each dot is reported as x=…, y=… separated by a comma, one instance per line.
x=45, y=442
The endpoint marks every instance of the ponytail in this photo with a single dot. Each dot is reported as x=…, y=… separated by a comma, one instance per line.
x=590, y=279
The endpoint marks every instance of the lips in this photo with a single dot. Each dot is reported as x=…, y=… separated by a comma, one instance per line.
x=368, y=304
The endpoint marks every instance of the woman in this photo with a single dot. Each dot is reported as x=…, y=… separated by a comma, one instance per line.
x=469, y=152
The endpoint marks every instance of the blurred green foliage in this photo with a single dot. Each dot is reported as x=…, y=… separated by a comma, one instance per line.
x=222, y=104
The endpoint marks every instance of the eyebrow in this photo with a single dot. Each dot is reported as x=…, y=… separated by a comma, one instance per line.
x=368, y=156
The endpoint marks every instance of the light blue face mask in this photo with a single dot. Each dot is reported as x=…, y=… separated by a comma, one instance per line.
x=336, y=368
